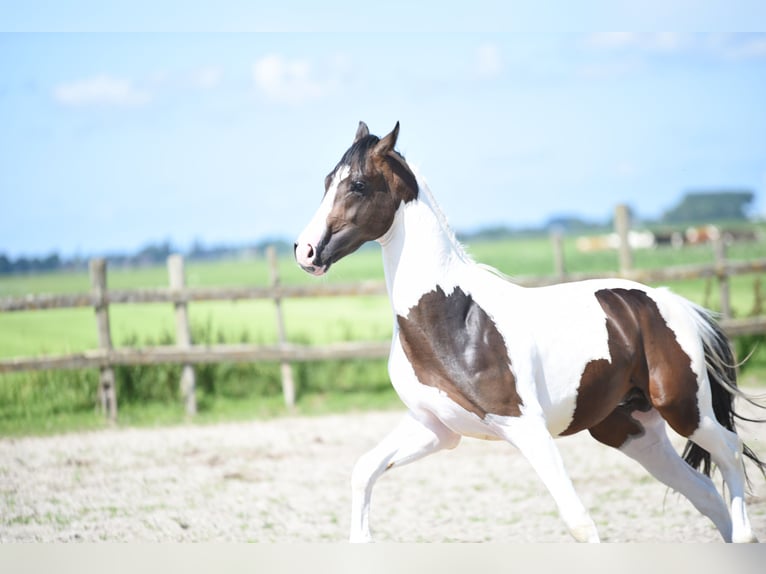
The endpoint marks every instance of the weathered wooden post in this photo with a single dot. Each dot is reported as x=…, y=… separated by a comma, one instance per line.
x=622, y=227
x=288, y=385
x=183, y=333
x=559, y=267
x=719, y=255
x=107, y=391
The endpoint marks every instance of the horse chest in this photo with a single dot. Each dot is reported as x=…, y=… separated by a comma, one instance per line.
x=454, y=346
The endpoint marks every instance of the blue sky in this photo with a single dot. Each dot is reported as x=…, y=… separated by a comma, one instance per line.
x=111, y=140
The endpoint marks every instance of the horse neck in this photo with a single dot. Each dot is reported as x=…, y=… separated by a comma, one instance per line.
x=419, y=252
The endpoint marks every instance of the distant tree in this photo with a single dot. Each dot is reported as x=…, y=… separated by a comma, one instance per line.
x=29, y=264
x=6, y=266
x=571, y=224
x=697, y=207
x=154, y=253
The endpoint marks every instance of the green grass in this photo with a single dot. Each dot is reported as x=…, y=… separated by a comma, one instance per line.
x=61, y=401
x=213, y=409
x=317, y=320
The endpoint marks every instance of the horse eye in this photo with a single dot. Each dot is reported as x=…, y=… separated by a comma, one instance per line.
x=358, y=186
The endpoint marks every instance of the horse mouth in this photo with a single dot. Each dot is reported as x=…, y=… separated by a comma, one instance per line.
x=315, y=270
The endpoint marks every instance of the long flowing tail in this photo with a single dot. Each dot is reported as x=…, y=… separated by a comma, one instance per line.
x=722, y=374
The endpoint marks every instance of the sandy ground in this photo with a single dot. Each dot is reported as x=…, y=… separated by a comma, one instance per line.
x=287, y=480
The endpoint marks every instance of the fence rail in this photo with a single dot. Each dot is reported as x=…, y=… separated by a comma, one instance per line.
x=192, y=294
x=199, y=354
x=186, y=353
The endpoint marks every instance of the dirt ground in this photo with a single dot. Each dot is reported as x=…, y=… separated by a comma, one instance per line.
x=287, y=480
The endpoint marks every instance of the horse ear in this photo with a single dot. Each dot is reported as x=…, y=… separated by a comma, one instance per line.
x=361, y=132
x=388, y=142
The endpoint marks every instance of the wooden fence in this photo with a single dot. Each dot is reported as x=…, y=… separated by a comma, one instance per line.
x=186, y=353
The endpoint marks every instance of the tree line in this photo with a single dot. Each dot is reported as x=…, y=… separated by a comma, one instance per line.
x=148, y=255
x=695, y=207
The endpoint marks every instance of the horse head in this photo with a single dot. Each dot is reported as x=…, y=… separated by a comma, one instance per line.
x=362, y=195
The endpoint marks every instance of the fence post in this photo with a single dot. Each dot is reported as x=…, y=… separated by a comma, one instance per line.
x=719, y=254
x=559, y=267
x=288, y=385
x=622, y=227
x=183, y=333
x=107, y=391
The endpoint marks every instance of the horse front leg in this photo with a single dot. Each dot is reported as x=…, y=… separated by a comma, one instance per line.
x=413, y=439
x=529, y=434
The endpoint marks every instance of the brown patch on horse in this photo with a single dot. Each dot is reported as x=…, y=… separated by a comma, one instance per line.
x=616, y=428
x=620, y=425
x=454, y=345
x=399, y=177
x=604, y=382
x=645, y=358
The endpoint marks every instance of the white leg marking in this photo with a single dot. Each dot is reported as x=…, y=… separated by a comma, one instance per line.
x=656, y=454
x=725, y=448
x=411, y=440
x=530, y=435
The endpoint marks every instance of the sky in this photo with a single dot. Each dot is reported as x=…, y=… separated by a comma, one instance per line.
x=111, y=140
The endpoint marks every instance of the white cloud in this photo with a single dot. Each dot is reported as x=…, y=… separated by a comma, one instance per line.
x=291, y=81
x=626, y=168
x=604, y=70
x=489, y=61
x=207, y=77
x=101, y=90
x=611, y=39
x=648, y=42
x=752, y=47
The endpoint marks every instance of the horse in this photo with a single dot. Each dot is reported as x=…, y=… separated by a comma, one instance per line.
x=475, y=355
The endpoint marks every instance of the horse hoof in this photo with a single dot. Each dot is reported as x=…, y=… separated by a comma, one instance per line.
x=747, y=539
x=585, y=533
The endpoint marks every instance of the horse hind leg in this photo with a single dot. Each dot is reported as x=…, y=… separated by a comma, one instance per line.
x=642, y=436
x=690, y=413
x=725, y=448
x=683, y=387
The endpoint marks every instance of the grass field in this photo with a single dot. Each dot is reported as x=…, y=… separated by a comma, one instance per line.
x=314, y=321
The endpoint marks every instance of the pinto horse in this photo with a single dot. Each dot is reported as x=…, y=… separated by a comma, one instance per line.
x=475, y=355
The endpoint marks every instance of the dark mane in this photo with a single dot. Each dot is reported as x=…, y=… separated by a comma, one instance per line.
x=358, y=152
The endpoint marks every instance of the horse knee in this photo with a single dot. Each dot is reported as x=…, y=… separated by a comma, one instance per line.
x=449, y=441
x=367, y=468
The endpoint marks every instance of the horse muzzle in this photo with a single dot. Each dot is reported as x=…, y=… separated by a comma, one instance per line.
x=306, y=257
x=333, y=245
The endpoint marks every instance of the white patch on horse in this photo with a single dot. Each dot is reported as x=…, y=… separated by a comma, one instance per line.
x=313, y=232
x=426, y=259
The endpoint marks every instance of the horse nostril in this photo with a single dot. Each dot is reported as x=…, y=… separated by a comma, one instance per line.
x=304, y=252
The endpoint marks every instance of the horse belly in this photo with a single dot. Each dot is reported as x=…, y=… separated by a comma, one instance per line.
x=570, y=335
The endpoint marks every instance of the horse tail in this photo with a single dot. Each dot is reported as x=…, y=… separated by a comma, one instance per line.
x=722, y=375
